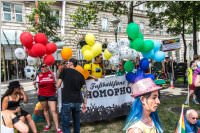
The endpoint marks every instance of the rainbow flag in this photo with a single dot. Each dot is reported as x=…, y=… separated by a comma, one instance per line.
x=181, y=124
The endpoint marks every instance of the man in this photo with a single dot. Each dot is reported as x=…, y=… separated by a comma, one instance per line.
x=71, y=96
x=191, y=122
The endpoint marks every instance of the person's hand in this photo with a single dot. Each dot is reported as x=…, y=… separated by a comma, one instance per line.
x=84, y=108
x=18, y=109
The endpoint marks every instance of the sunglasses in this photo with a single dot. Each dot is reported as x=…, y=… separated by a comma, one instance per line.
x=194, y=118
x=44, y=66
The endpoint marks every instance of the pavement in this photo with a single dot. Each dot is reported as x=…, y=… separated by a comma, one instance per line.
x=31, y=91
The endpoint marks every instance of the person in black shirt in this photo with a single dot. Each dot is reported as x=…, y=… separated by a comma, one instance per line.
x=71, y=96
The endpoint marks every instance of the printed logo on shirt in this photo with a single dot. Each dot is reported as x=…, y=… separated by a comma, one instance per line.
x=40, y=75
x=49, y=75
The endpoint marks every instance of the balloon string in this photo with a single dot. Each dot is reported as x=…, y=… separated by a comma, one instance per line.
x=36, y=15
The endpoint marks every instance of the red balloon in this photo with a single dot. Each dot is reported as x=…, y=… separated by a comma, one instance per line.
x=38, y=49
x=51, y=48
x=41, y=38
x=26, y=39
x=49, y=60
x=30, y=53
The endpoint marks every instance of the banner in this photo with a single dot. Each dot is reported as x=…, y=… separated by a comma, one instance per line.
x=171, y=44
x=107, y=98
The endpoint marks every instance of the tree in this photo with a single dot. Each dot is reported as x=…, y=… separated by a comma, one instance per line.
x=48, y=22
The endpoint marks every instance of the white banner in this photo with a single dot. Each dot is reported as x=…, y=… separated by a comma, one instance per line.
x=171, y=44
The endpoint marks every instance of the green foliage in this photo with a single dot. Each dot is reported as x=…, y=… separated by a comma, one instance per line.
x=48, y=23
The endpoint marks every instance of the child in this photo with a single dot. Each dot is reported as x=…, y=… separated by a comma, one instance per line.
x=38, y=113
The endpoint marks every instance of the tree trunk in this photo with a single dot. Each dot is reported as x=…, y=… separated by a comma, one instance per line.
x=194, y=33
x=130, y=12
x=184, y=42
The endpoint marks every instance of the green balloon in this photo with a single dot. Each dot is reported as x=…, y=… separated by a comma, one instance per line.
x=137, y=44
x=148, y=45
x=129, y=66
x=140, y=35
x=132, y=30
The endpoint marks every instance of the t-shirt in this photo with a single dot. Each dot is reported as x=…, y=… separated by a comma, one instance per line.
x=46, y=84
x=96, y=70
x=72, y=81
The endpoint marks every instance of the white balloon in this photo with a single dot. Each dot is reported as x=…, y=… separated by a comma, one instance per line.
x=30, y=72
x=112, y=47
x=20, y=53
x=114, y=60
x=123, y=42
x=31, y=61
x=126, y=53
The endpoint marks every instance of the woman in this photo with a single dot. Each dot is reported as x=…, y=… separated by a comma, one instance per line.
x=11, y=101
x=9, y=121
x=47, y=96
x=143, y=117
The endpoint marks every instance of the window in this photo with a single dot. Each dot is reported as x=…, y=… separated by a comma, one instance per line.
x=104, y=24
x=56, y=13
x=119, y=29
x=12, y=12
x=142, y=27
x=6, y=11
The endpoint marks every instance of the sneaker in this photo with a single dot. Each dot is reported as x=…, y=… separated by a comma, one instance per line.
x=46, y=128
x=195, y=101
x=59, y=130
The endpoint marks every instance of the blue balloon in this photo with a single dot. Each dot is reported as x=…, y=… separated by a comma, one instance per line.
x=159, y=56
x=148, y=55
x=150, y=76
x=139, y=75
x=130, y=77
x=144, y=64
x=157, y=46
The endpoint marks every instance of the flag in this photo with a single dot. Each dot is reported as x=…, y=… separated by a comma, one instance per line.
x=181, y=124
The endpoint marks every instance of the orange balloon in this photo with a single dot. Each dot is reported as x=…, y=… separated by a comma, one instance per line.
x=66, y=53
x=80, y=69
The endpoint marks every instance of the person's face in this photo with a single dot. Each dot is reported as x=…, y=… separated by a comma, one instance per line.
x=99, y=58
x=121, y=66
x=44, y=68
x=151, y=103
x=193, y=117
x=69, y=64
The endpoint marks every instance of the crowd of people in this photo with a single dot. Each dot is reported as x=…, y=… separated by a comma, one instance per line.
x=143, y=117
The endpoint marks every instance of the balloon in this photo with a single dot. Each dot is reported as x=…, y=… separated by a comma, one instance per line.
x=85, y=73
x=114, y=60
x=49, y=60
x=107, y=54
x=30, y=72
x=26, y=39
x=96, y=49
x=41, y=38
x=157, y=46
x=148, y=55
x=30, y=53
x=112, y=47
x=144, y=64
x=123, y=42
x=51, y=48
x=88, y=55
x=38, y=49
x=125, y=52
x=140, y=35
x=148, y=45
x=87, y=67
x=139, y=75
x=20, y=53
x=137, y=44
x=133, y=54
x=90, y=39
x=66, y=53
x=129, y=66
x=130, y=77
x=159, y=56
x=149, y=76
x=85, y=47
x=31, y=61
x=132, y=30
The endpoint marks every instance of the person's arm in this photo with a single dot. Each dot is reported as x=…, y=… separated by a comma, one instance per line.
x=24, y=95
x=5, y=106
x=197, y=81
x=58, y=84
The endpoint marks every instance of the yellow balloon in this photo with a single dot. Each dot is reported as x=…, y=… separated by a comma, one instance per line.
x=97, y=49
x=85, y=47
x=87, y=67
x=90, y=39
x=107, y=54
x=88, y=55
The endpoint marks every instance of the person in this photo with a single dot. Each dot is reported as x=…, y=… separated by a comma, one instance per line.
x=9, y=121
x=96, y=69
x=121, y=70
x=191, y=121
x=38, y=115
x=11, y=101
x=143, y=117
x=71, y=96
x=47, y=96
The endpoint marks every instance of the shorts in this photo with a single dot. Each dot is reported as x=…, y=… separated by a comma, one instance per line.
x=22, y=113
x=191, y=87
x=47, y=98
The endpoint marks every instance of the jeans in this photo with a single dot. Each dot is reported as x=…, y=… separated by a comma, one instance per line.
x=66, y=111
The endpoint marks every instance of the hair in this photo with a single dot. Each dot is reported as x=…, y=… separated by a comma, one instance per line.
x=74, y=61
x=189, y=111
x=196, y=57
x=191, y=62
x=137, y=112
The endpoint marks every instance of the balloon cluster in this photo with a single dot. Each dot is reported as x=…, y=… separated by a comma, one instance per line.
x=38, y=46
x=92, y=48
x=148, y=48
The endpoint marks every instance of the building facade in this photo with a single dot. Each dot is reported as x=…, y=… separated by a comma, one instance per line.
x=14, y=22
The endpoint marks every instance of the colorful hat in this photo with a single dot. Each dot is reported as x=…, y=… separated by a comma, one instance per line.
x=143, y=86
